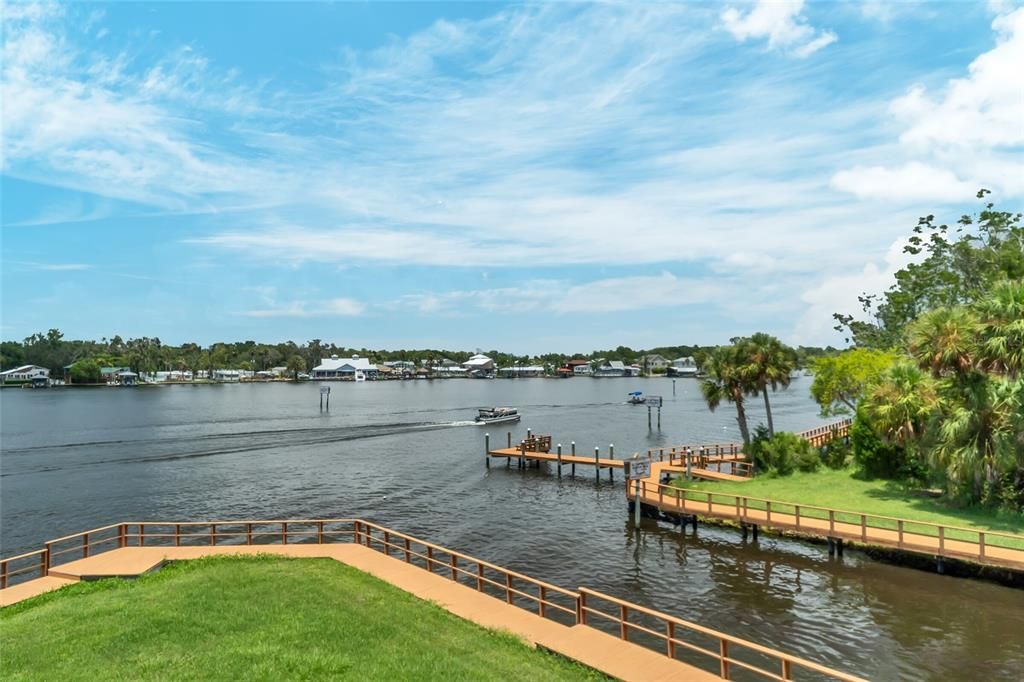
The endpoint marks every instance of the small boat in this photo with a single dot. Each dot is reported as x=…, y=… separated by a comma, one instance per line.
x=637, y=398
x=497, y=415
x=360, y=376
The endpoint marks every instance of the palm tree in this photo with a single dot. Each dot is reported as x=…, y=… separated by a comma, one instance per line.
x=945, y=341
x=900, y=405
x=727, y=381
x=1002, y=328
x=768, y=363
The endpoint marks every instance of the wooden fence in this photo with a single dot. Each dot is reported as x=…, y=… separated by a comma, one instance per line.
x=671, y=636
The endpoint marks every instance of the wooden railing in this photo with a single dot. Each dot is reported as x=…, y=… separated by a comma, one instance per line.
x=547, y=600
x=817, y=436
x=905, y=534
x=676, y=638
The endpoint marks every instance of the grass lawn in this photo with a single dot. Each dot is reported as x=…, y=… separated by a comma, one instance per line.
x=843, y=490
x=264, y=618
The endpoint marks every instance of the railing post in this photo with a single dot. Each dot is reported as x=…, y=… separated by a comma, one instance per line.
x=508, y=588
x=122, y=535
x=3, y=575
x=319, y=532
x=213, y=533
x=430, y=559
x=408, y=555
x=942, y=540
x=899, y=527
x=723, y=653
x=671, y=644
x=47, y=558
x=787, y=669
x=85, y=545
x=387, y=543
x=864, y=527
x=797, y=509
x=177, y=535
x=479, y=577
x=540, y=604
x=582, y=619
x=831, y=521
x=623, y=628
x=142, y=535
x=981, y=545
x=768, y=508
x=248, y=533
x=454, y=561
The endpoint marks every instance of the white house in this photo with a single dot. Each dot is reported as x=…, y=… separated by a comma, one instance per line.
x=479, y=365
x=341, y=368
x=683, y=367
x=522, y=371
x=616, y=368
x=654, y=361
x=401, y=365
x=23, y=374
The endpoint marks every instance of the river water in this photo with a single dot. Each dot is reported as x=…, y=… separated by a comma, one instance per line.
x=405, y=454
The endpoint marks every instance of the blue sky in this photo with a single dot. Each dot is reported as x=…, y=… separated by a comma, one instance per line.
x=527, y=177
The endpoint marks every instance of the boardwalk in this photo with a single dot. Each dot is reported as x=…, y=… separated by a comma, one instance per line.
x=596, y=629
x=987, y=548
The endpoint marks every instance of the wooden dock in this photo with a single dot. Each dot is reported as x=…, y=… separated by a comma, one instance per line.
x=987, y=548
x=617, y=637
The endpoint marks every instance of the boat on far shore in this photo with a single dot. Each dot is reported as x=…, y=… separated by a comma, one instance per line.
x=497, y=415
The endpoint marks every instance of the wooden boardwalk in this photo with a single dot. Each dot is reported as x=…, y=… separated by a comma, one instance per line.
x=595, y=629
x=988, y=548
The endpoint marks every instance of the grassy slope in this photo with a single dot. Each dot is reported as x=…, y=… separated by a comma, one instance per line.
x=843, y=490
x=257, y=618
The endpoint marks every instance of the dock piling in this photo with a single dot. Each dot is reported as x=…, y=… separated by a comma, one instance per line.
x=509, y=446
x=573, y=459
x=559, y=460
x=597, y=464
x=611, y=454
x=487, y=449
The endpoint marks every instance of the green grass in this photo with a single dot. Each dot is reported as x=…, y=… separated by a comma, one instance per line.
x=262, y=618
x=844, y=490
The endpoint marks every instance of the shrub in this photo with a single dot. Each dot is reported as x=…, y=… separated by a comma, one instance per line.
x=837, y=454
x=783, y=453
x=878, y=458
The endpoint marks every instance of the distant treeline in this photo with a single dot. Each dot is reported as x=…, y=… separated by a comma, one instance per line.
x=146, y=354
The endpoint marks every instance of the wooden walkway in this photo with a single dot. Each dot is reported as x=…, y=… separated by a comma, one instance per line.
x=595, y=629
x=988, y=548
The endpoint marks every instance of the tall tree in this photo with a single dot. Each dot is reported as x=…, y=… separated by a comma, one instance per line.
x=726, y=380
x=768, y=363
x=841, y=380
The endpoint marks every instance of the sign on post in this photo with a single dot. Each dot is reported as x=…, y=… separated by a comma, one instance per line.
x=639, y=468
x=654, y=401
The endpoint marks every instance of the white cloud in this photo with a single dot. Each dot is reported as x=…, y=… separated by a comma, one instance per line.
x=966, y=136
x=335, y=307
x=781, y=23
x=912, y=181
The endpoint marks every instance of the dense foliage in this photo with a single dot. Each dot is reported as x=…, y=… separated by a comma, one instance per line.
x=783, y=453
x=948, y=407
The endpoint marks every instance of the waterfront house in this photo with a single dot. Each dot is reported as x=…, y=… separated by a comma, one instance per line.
x=579, y=367
x=479, y=366
x=522, y=371
x=401, y=366
x=24, y=374
x=654, y=362
x=343, y=368
x=108, y=375
x=683, y=367
x=611, y=368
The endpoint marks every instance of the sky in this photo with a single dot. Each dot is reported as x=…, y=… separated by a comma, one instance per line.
x=528, y=177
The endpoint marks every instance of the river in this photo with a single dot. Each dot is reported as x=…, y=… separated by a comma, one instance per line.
x=405, y=455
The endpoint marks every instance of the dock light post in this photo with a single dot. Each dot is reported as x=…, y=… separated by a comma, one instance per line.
x=487, y=449
x=611, y=454
x=689, y=463
x=597, y=465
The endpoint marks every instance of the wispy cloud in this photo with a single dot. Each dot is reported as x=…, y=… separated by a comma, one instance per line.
x=335, y=307
x=53, y=267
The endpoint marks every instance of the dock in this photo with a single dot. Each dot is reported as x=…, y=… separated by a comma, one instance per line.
x=619, y=638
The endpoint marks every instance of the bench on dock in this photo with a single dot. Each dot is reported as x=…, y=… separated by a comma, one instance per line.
x=536, y=444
